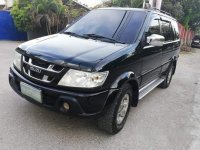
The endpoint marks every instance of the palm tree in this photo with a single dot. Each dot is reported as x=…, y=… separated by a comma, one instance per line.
x=49, y=13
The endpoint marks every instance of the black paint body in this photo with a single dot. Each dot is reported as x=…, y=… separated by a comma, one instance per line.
x=134, y=63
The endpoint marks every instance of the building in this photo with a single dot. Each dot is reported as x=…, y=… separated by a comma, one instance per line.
x=2, y=4
x=6, y=3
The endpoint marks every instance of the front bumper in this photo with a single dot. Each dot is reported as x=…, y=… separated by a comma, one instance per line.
x=81, y=104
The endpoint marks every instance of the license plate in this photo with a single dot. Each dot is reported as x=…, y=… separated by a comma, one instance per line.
x=31, y=92
x=196, y=41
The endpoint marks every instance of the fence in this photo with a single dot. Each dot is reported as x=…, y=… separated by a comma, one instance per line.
x=8, y=31
x=185, y=35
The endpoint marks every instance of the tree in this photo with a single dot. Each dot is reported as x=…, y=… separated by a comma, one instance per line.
x=192, y=14
x=74, y=10
x=49, y=13
x=128, y=3
x=174, y=7
x=21, y=15
x=185, y=11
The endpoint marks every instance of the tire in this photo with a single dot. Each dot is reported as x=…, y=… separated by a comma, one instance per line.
x=165, y=84
x=111, y=120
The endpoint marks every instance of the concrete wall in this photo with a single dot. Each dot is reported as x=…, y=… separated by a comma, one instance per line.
x=2, y=2
x=8, y=3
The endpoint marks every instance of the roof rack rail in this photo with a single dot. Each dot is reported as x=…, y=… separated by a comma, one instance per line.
x=162, y=11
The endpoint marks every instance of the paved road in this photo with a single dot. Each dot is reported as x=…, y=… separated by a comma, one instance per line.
x=164, y=120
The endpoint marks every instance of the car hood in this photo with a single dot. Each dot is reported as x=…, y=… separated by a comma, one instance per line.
x=71, y=51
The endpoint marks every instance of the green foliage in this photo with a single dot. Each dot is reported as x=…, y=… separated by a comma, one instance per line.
x=175, y=8
x=185, y=11
x=74, y=11
x=48, y=14
x=128, y=3
x=192, y=17
x=198, y=30
x=21, y=15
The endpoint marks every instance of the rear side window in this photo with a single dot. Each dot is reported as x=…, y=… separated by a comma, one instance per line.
x=176, y=30
x=132, y=28
x=167, y=31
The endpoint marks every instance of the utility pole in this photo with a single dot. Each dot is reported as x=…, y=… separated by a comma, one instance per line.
x=158, y=4
x=152, y=4
x=146, y=4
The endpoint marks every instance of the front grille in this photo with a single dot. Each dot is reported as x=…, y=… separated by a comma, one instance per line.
x=41, y=70
x=40, y=63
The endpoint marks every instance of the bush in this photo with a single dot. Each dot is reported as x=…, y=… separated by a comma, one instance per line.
x=50, y=15
x=21, y=15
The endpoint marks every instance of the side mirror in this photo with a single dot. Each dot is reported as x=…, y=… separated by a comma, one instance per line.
x=156, y=40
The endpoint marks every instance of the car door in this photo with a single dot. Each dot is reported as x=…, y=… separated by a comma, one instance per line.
x=169, y=47
x=151, y=55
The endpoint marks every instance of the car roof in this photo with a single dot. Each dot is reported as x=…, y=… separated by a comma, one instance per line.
x=160, y=12
x=125, y=8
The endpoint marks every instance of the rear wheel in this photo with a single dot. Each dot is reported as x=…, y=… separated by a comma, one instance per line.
x=165, y=84
x=116, y=114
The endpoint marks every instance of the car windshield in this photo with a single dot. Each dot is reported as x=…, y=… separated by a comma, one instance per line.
x=103, y=24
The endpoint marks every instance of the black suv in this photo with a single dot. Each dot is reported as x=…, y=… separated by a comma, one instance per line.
x=196, y=42
x=100, y=65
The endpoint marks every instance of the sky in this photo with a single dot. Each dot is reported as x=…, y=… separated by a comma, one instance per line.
x=90, y=3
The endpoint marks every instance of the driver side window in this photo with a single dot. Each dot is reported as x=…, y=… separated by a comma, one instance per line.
x=154, y=28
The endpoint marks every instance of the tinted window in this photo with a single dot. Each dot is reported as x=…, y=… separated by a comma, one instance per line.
x=100, y=22
x=154, y=27
x=167, y=31
x=131, y=29
x=176, y=30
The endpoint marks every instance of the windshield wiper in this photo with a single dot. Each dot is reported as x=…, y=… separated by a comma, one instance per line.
x=107, y=39
x=76, y=35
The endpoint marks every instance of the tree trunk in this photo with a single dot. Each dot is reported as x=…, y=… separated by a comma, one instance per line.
x=36, y=33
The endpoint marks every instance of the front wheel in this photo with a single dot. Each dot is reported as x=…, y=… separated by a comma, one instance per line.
x=116, y=114
x=165, y=84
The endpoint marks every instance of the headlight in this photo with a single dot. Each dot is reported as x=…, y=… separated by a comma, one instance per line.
x=75, y=78
x=17, y=60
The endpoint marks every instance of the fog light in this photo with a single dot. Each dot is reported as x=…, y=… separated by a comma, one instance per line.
x=66, y=106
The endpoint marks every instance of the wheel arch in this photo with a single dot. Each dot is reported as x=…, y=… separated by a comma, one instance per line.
x=174, y=63
x=127, y=78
